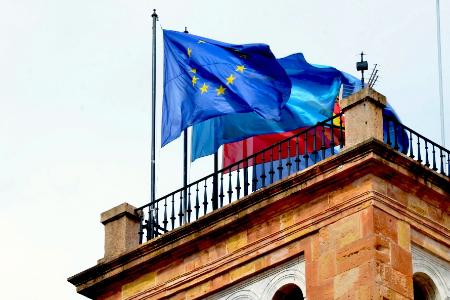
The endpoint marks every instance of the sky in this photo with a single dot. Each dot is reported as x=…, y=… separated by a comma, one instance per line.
x=75, y=114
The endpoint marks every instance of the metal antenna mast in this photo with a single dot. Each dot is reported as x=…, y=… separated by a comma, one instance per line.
x=362, y=66
x=373, y=76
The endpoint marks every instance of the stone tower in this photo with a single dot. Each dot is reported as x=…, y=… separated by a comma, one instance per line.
x=368, y=222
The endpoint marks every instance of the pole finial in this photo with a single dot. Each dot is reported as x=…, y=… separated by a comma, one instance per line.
x=154, y=13
x=185, y=29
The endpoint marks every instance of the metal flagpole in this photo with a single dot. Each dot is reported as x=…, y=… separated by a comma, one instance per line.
x=185, y=175
x=185, y=166
x=441, y=96
x=152, y=190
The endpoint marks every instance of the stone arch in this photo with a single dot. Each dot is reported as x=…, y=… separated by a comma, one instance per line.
x=289, y=291
x=424, y=287
x=243, y=295
x=426, y=267
x=283, y=278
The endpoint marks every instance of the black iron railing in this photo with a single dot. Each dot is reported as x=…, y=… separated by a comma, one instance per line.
x=239, y=179
x=416, y=146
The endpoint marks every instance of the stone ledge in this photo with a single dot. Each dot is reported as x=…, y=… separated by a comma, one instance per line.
x=117, y=212
x=367, y=94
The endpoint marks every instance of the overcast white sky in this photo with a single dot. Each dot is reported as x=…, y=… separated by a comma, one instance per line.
x=75, y=79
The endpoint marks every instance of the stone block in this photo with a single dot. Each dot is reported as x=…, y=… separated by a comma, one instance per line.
x=345, y=282
x=323, y=291
x=347, y=230
x=171, y=270
x=385, y=224
x=363, y=116
x=198, y=290
x=327, y=265
x=221, y=280
x=121, y=229
x=242, y=271
x=140, y=284
x=404, y=235
x=278, y=255
x=355, y=254
x=286, y=219
x=367, y=224
x=401, y=259
x=393, y=279
x=112, y=294
x=217, y=251
x=418, y=206
x=236, y=241
x=326, y=241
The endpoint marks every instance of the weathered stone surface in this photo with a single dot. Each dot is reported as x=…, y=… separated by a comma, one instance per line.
x=363, y=116
x=349, y=225
x=121, y=228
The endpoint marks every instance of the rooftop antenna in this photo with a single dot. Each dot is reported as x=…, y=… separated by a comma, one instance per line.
x=373, y=76
x=374, y=81
x=362, y=66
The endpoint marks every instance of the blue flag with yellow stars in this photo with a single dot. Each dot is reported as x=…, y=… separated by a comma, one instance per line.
x=204, y=78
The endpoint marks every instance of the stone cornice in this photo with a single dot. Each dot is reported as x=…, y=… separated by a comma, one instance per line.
x=369, y=157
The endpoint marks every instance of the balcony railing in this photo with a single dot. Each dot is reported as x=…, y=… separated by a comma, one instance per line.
x=272, y=164
x=416, y=146
x=239, y=179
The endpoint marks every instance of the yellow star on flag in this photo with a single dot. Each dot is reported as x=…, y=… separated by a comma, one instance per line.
x=204, y=88
x=240, y=69
x=220, y=90
x=194, y=80
x=189, y=52
x=194, y=71
x=230, y=79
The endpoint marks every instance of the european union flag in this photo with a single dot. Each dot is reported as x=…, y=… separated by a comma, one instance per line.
x=204, y=78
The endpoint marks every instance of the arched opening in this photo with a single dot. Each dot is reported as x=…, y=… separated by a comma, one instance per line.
x=288, y=292
x=424, y=288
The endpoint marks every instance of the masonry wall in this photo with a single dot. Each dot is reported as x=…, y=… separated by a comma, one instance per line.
x=354, y=226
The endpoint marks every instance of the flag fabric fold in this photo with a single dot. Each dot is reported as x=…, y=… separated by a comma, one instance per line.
x=313, y=93
x=236, y=151
x=204, y=78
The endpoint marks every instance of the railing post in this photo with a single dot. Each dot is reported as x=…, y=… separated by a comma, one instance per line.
x=121, y=229
x=215, y=191
x=363, y=116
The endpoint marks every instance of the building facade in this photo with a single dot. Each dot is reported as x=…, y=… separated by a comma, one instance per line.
x=368, y=222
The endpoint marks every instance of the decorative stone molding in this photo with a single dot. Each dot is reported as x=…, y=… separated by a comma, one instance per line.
x=264, y=286
x=437, y=269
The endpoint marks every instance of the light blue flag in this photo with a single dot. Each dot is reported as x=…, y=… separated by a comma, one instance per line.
x=314, y=91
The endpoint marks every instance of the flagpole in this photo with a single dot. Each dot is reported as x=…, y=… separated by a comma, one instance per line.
x=441, y=96
x=152, y=172
x=185, y=166
x=185, y=175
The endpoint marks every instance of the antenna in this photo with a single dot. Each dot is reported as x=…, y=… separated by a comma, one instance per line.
x=373, y=76
x=375, y=80
x=362, y=66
